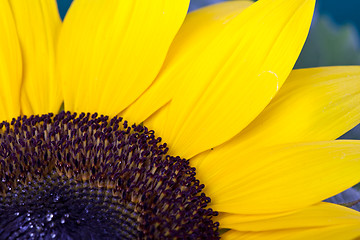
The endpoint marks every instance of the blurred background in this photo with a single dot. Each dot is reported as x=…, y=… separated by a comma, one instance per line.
x=333, y=40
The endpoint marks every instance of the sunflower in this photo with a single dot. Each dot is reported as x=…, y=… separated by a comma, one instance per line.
x=177, y=126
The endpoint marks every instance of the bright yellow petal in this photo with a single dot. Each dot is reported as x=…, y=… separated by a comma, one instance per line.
x=227, y=73
x=320, y=215
x=231, y=218
x=232, y=235
x=10, y=65
x=280, y=178
x=208, y=22
x=110, y=51
x=38, y=23
x=270, y=235
x=313, y=105
x=342, y=232
x=157, y=119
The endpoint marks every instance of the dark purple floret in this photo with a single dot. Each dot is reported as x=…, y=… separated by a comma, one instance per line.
x=86, y=176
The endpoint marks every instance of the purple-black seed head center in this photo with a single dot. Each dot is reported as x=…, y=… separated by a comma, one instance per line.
x=70, y=176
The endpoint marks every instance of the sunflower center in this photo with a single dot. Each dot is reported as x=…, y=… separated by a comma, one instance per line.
x=91, y=177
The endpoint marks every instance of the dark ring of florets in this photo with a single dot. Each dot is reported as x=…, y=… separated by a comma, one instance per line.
x=104, y=159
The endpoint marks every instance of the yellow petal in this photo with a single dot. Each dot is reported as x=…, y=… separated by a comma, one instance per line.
x=207, y=21
x=319, y=215
x=270, y=235
x=38, y=23
x=225, y=78
x=313, y=105
x=342, y=232
x=232, y=235
x=10, y=65
x=230, y=218
x=157, y=119
x=280, y=178
x=111, y=51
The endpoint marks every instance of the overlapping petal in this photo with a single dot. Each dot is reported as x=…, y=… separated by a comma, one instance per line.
x=280, y=178
x=37, y=24
x=227, y=73
x=188, y=42
x=319, y=215
x=109, y=52
x=313, y=105
x=342, y=232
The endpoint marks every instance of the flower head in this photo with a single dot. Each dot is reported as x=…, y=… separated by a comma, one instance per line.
x=178, y=126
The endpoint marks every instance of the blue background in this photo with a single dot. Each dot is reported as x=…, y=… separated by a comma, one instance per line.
x=341, y=11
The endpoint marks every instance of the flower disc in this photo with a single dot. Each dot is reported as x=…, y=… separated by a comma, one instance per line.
x=91, y=177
